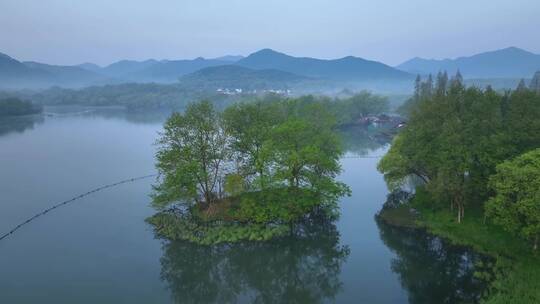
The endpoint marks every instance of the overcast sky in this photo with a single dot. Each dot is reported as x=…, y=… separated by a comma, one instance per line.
x=391, y=31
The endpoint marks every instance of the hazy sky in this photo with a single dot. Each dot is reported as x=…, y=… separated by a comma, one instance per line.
x=391, y=31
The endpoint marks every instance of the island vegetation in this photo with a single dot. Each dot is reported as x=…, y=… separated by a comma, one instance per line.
x=253, y=171
x=475, y=150
x=12, y=106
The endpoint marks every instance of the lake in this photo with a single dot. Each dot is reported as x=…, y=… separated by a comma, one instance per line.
x=98, y=249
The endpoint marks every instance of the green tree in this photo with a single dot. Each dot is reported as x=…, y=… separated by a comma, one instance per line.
x=249, y=126
x=516, y=203
x=191, y=156
x=452, y=142
x=522, y=126
x=307, y=154
x=535, y=83
x=16, y=107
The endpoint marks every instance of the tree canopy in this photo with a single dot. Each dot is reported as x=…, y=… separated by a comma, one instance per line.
x=516, y=203
x=256, y=162
x=455, y=137
x=12, y=106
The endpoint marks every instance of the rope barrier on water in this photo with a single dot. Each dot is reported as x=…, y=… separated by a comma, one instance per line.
x=72, y=200
x=103, y=188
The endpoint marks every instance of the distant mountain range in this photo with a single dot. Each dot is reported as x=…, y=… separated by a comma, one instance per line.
x=16, y=74
x=235, y=76
x=347, y=68
x=510, y=62
x=266, y=68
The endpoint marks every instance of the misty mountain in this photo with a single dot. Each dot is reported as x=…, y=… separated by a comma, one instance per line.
x=230, y=58
x=16, y=74
x=347, y=68
x=123, y=68
x=238, y=77
x=511, y=62
x=171, y=70
x=163, y=71
x=65, y=75
x=89, y=66
x=12, y=72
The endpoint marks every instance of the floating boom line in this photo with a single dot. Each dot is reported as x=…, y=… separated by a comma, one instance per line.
x=29, y=220
x=26, y=222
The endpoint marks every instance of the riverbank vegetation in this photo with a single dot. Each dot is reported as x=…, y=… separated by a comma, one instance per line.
x=476, y=150
x=17, y=107
x=253, y=171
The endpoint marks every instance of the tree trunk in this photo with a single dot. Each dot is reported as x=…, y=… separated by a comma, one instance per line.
x=535, y=247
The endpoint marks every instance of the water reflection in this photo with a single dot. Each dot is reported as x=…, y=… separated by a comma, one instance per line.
x=303, y=268
x=120, y=113
x=431, y=269
x=361, y=140
x=19, y=124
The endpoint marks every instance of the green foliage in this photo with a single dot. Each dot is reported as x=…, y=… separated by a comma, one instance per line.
x=249, y=126
x=456, y=136
x=134, y=96
x=348, y=110
x=17, y=107
x=190, y=156
x=516, y=204
x=175, y=227
x=517, y=270
x=234, y=184
x=268, y=161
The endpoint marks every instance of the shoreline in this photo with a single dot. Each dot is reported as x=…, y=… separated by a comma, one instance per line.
x=516, y=270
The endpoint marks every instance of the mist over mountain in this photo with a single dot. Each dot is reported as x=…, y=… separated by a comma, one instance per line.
x=16, y=74
x=347, y=68
x=163, y=71
x=502, y=68
x=125, y=67
x=230, y=58
x=12, y=72
x=238, y=77
x=70, y=75
x=510, y=62
x=89, y=66
x=172, y=70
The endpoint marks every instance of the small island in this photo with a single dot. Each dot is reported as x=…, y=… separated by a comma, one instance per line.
x=254, y=171
x=12, y=106
x=250, y=172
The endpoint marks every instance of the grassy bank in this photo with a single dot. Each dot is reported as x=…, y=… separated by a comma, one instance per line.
x=517, y=269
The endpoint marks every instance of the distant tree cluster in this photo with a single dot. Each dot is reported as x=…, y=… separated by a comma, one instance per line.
x=16, y=107
x=456, y=136
x=134, y=96
x=535, y=83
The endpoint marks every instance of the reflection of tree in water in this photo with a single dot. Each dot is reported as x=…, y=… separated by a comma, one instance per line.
x=19, y=124
x=361, y=140
x=431, y=269
x=303, y=268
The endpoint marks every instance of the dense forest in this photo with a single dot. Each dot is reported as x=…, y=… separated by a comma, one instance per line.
x=475, y=150
x=17, y=107
x=456, y=136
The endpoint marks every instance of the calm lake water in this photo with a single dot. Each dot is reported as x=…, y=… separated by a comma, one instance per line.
x=99, y=249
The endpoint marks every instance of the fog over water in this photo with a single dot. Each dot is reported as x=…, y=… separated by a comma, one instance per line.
x=100, y=250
